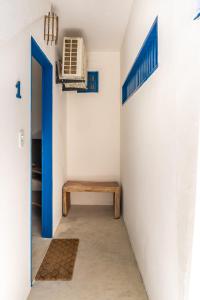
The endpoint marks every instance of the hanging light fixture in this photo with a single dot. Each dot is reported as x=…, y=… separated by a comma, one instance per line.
x=51, y=28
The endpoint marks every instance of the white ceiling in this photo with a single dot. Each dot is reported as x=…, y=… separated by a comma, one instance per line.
x=101, y=22
x=17, y=14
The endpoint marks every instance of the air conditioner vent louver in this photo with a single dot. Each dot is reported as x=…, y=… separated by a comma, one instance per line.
x=74, y=59
x=70, y=60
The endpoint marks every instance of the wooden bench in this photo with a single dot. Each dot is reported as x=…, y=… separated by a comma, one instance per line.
x=90, y=186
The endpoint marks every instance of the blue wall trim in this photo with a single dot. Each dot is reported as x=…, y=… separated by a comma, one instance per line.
x=197, y=16
x=47, y=100
x=92, y=83
x=145, y=64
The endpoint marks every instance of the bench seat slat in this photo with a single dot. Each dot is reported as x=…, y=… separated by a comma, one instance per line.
x=88, y=186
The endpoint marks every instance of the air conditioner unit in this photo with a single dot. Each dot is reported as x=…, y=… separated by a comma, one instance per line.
x=74, y=63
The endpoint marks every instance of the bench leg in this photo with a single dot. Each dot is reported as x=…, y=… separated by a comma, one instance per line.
x=117, y=204
x=114, y=200
x=66, y=203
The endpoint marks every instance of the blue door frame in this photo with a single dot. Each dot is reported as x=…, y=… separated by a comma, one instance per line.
x=47, y=72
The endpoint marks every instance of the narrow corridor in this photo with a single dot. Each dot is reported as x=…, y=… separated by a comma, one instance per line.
x=105, y=267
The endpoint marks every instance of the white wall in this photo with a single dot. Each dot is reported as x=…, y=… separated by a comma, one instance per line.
x=15, y=170
x=193, y=288
x=159, y=134
x=36, y=99
x=188, y=131
x=93, y=129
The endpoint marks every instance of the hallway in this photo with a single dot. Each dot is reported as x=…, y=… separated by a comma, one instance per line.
x=100, y=91
x=105, y=267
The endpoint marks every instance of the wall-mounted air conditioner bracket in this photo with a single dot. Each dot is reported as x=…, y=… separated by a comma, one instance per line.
x=92, y=82
x=60, y=79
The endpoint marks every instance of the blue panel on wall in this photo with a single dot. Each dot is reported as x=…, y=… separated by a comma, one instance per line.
x=145, y=64
x=197, y=16
x=92, y=83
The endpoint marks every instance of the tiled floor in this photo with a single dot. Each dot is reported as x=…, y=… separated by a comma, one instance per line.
x=105, y=268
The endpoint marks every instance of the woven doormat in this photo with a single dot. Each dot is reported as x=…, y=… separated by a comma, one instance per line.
x=58, y=263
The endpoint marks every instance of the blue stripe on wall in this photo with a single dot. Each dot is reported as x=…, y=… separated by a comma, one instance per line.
x=145, y=64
